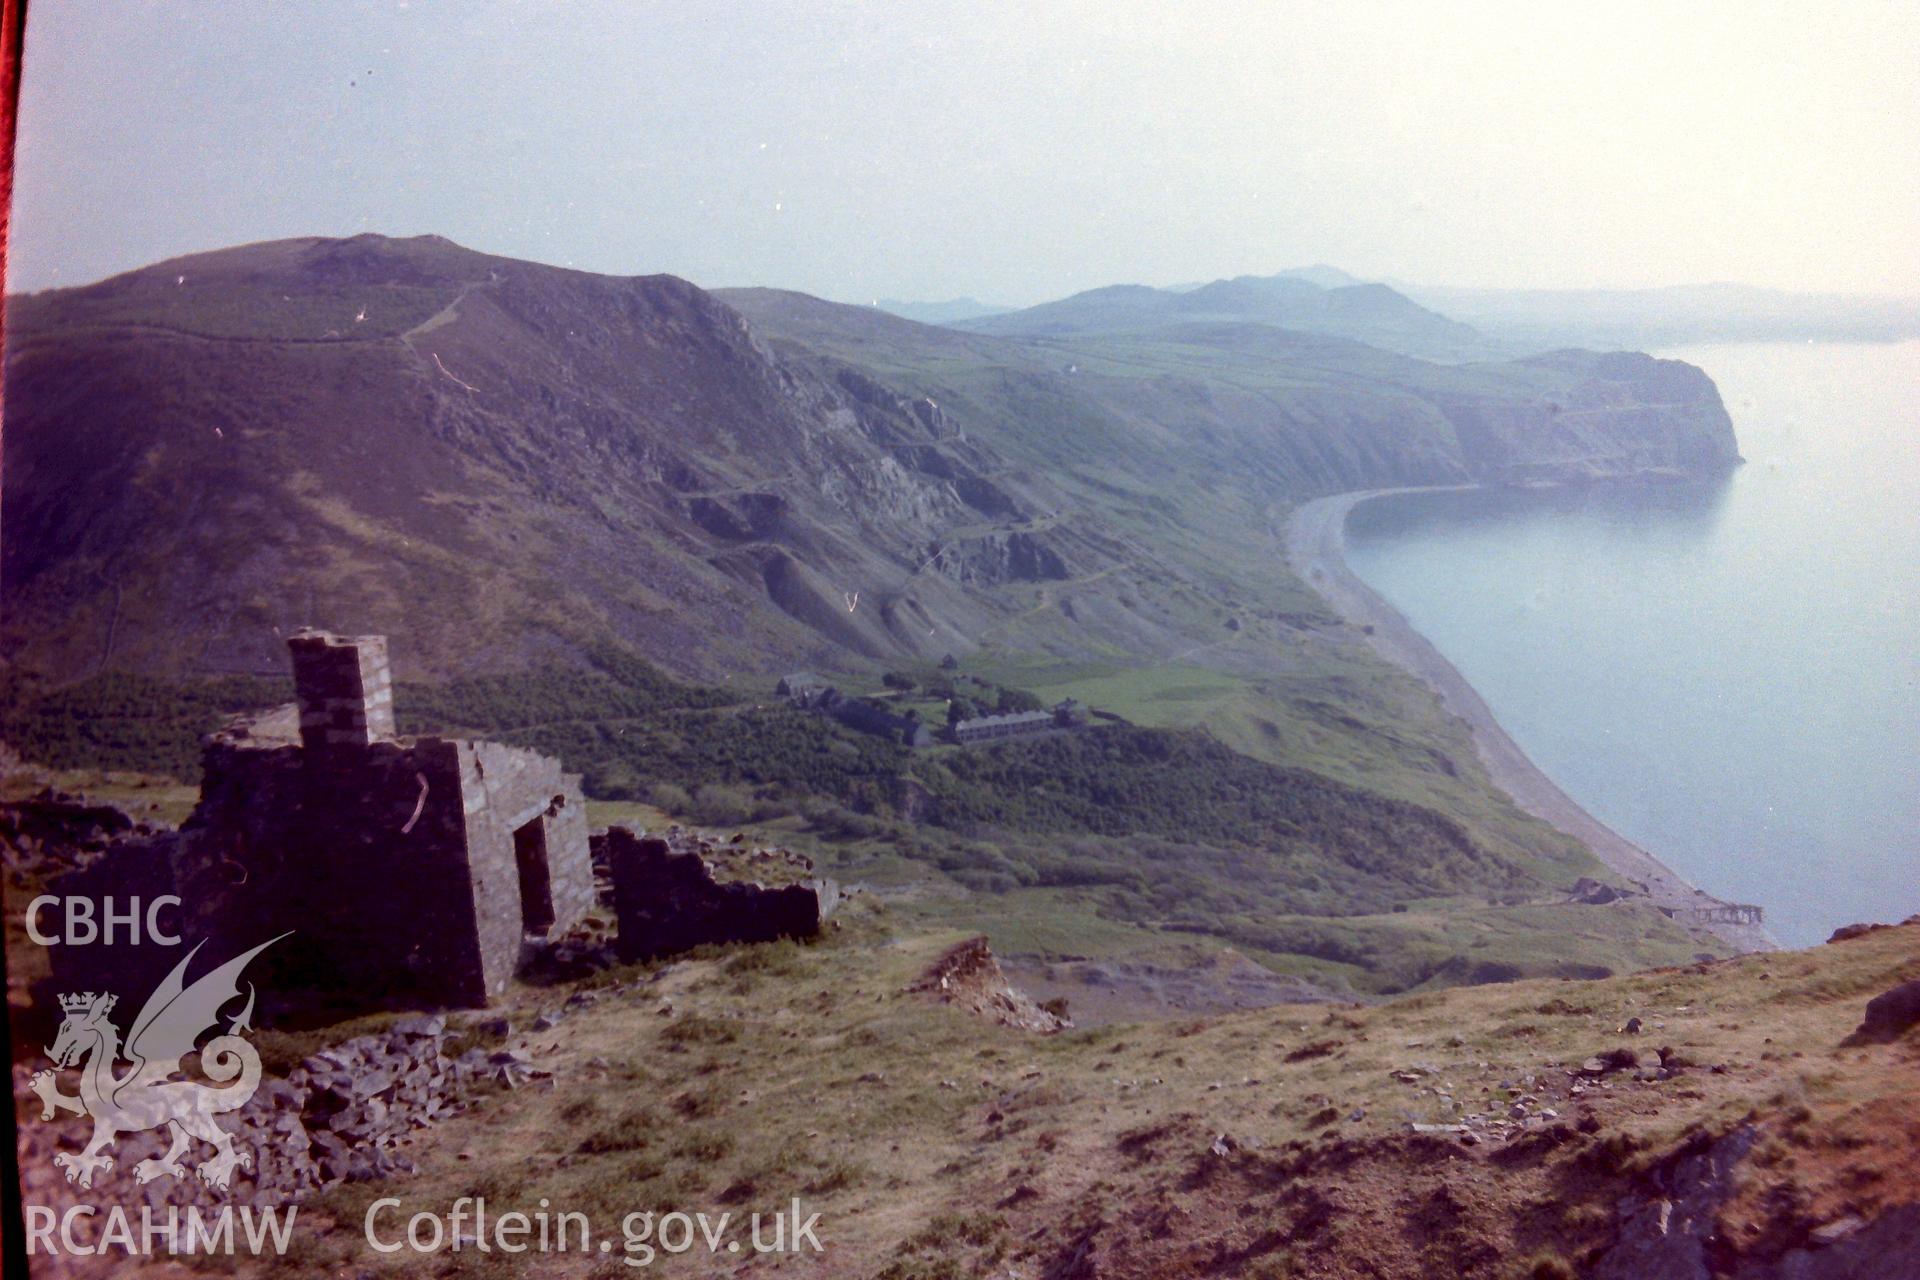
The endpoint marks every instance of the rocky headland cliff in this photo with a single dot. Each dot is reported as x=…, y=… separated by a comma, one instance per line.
x=499, y=462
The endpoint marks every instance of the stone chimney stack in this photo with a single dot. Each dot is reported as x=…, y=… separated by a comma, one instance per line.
x=345, y=690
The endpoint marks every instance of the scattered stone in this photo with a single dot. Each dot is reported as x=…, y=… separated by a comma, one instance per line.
x=338, y=1116
x=513, y=1068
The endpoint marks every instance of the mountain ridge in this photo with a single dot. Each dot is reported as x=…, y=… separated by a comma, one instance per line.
x=1312, y=299
x=565, y=458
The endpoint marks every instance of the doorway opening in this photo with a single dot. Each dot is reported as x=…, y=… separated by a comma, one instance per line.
x=536, y=882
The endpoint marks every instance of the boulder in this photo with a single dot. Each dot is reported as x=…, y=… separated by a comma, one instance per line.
x=418, y=1025
x=1612, y=1060
x=1847, y=932
x=1889, y=1015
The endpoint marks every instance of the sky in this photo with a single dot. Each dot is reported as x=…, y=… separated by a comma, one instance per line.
x=1011, y=152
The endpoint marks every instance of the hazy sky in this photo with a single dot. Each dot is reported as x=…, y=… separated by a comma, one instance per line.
x=1011, y=151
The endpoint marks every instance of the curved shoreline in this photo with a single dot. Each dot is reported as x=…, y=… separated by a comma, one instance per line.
x=1316, y=551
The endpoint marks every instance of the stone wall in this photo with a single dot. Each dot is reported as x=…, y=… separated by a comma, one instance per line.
x=507, y=790
x=669, y=900
x=133, y=868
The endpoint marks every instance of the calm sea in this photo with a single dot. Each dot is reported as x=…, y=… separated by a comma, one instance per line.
x=1728, y=675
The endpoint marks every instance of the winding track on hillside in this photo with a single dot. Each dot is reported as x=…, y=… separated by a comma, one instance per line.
x=1315, y=542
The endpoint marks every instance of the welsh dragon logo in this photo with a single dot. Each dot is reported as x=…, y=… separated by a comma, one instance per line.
x=149, y=1095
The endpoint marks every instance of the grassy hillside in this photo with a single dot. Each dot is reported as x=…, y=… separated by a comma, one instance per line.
x=1276, y=1143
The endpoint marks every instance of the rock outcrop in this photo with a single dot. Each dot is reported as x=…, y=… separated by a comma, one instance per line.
x=969, y=976
x=1669, y=1230
x=1889, y=1015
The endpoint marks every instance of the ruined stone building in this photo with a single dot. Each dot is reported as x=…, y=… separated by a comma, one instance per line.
x=408, y=871
x=676, y=892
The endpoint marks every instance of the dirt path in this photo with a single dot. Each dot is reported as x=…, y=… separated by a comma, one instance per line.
x=445, y=315
x=1315, y=540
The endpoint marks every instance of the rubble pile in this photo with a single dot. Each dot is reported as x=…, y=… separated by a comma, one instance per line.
x=969, y=975
x=345, y=1114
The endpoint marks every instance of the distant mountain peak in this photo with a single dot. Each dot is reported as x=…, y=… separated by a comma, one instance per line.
x=1313, y=300
x=1323, y=275
x=950, y=311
